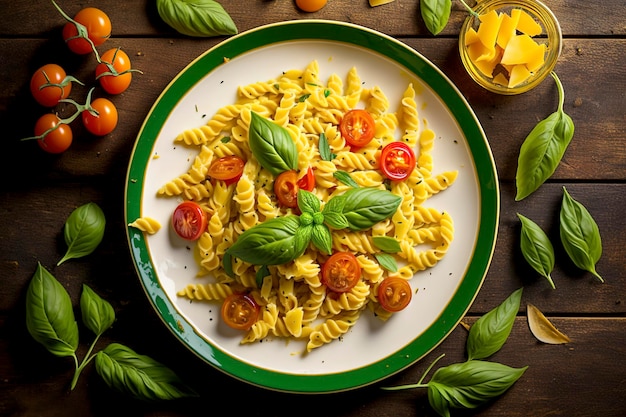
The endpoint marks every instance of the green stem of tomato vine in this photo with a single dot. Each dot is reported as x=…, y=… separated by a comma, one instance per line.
x=80, y=29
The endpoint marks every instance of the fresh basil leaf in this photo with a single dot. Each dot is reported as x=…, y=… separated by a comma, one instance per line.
x=387, y=244
x=469, y=384
x=488, y=334
x=308, y=202
x=198, y=18
x=364, y=207
x=537, y=248
x=272, y=242
x=325, y=152
x=272, y=145
x=435, y=14
x=580, y=235
x=227, y=263
x=83, y=232
x=345, y=178
x=139, y=376
x=261, y=274
x=321, y=238
x=333, y=215
x=97, y=314
x=387, y=261
x=49, y=315
x=543, y=149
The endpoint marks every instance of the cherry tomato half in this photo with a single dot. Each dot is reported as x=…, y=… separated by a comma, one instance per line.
x=307, y=182
x=227, y=168
x=357, y=127
x=105, y=121
x=239, y=311
x=56, y=141
x=48, y=85
x=394, y=294
x=397, y=160
x=98, y=27
x=341, y=272
x=287, y=185
x=114, y=83
x=189, y=220
x=310, y=5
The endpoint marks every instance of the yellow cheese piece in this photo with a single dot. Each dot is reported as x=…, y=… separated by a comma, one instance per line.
x=507, y=29
x=500, y=78
x=374, y=3
x=471, y=36
x=484, y=59
x=520, y=49
x=527, y=24
x=537, y=58
x=518, y=75
x=488, y=29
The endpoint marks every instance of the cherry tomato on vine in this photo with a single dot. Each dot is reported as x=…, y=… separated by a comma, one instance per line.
x=341, y=272
x=105, y=121
x=357, y=127
x=397, y=161
x=189, y=220
x=239, y=311
x=227, y=168
x=287, y=185
x=310, y=5
x=114, y=83
x=48, y=91
x=58, y=140
x=394, y=294
x=98, y=27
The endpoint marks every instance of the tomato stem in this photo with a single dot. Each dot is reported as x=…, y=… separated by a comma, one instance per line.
x=80, y=29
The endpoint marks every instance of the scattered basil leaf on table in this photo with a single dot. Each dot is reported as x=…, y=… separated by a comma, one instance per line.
x=97, y=314
x=580, y=235
x=543, y=148
x=198, y=18
x=537, y=248
x=138, y=375
x=435, y=14
x=83, y=232
x=272, y=145
x=542, y=328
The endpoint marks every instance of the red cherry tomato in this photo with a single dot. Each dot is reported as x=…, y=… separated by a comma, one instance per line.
x=394, y=294
x=189, y=220
x=114, y=83
x=227, y=168
x=58, y=140
x=98, y=27
x=48, y=85
x=341, y=272
x=287, y=185
x=397, y=161
x=239, y=311
x=307, y=182
x=310, y=5
x=357, y=127
x=105, y=121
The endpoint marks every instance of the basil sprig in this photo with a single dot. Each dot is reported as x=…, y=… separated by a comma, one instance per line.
x=272, y=145
x=435, y=14
x=580, y=234
x=476, y=381
x=198, y=18
x=537, y=248
x=83, y=232
x=543, y=148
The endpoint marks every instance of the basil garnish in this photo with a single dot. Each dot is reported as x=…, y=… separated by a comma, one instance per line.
x=537, y=248
x=325, y=152
x=364, y=207
x=580, y=235
x=199, y=18
x=387, y=244
x=435, y=14
x=272, y=145
x=83, y=232
x=346, y=178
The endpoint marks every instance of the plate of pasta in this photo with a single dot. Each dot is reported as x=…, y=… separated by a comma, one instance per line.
x=346, y=206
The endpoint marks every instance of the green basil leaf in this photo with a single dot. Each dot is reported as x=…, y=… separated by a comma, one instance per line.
x=333, y=215
x=345, y=178
x=261, y=274
x=321, y=238
x=138, y=375
x=227, y=263
x=435, y=14
x=364, y=207
x=97, y=314
x=272, y=242
x=537, y=248
x=308, y=202
x=489, y=333
x=325, y=152
x=387, y=244
x=272, y=146
x=469, y=384
x=543, y=149
x=84, y=230
x=387, y=261
x=580, y=235
x=199, y=18
x=49, y=314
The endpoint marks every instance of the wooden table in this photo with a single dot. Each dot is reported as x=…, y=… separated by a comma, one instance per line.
x=584, y=377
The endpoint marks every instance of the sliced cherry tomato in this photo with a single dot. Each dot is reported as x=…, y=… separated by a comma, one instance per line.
x=98, y=27
x=106, y=120
x=310, y=5
x=394, y=294
x=286, y=188
x=118, y=82
x=341, y=272
x=397, y=160
x=227, y=168
x=357, y=127
x=58, y=140
x=307, y=182
x=48, y=85
x=240, y=311
x=189, y=220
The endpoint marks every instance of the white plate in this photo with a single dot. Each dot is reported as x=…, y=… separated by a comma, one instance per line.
x=372, y=349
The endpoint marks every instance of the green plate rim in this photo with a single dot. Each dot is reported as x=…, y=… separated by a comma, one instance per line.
x=458, y=107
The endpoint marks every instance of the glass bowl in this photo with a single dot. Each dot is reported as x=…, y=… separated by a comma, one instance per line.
x=524, y=69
